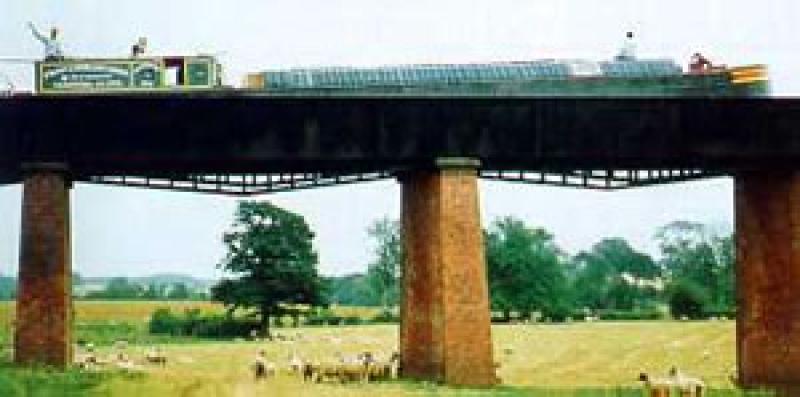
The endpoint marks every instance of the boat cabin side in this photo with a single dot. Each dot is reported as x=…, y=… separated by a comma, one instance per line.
x=169, y=73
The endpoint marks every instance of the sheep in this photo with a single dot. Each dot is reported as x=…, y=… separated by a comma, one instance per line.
x=362, y=368
x=295, y=364
x=309, y=371
x=384, y=370
x=689, y=386
x=127, y=365
x=320, y=372
x=156, y=356
x=733, y=376
x=87, y=360
x=661, y=387
x=343, y=371
x=352, y=372
x=263, y=368
x=657, y=387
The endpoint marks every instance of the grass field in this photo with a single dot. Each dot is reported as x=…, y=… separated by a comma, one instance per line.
x=534, y=359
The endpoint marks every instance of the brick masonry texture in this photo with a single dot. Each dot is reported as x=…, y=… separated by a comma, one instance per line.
x=768, y=254
x=445, y=332
x=44, y=303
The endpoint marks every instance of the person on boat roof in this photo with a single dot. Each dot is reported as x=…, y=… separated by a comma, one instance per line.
x=139, y=48
x=699, y=64
x=628, y=50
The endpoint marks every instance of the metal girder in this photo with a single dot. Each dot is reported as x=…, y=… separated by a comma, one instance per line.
x=600, y=179
x=253, y=184
x=239, y=184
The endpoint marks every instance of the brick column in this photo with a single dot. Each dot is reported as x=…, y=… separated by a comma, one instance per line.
x=768, y=278
x=445, y=332
x=44, y=301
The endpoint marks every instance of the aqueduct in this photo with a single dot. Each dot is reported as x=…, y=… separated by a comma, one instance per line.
x=437, y=147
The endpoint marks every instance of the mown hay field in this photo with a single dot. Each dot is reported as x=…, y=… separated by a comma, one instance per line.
x=105, y=321
x=121, y=311
x=556, y=357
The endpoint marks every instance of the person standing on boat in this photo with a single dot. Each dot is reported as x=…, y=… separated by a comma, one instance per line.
x=699, y=64
x=52, y=43
x=139, y=48
x=628, y=50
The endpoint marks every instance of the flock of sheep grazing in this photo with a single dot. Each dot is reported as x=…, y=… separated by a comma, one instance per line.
x=86, y=357
x=364, y=367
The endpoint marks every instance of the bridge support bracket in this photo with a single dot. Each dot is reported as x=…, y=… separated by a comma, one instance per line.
x=445, y=330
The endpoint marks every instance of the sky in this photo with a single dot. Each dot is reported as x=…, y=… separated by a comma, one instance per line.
x=129, y=231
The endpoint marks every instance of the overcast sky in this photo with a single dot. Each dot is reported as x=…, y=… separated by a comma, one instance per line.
x=134, y=232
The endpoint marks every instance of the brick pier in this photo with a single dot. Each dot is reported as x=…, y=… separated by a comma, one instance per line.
x=445, y=332
x=43, y=321
x=768, y=287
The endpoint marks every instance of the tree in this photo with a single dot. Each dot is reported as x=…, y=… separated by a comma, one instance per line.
x=526, y=269
x=612, y=275
x=383, y=274
x=119, y=288
x=153, y=291
x=687, y=299
x=696, y=253
x=178, y=291
x=271, y=261
x=351, y=290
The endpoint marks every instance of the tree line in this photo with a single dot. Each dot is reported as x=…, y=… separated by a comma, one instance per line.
x=121, y=288
x=271, y=268
x=530, y=275
x=117, y=288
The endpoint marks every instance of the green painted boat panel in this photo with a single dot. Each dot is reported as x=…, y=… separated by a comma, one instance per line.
x=97, y=75
x=198, y=73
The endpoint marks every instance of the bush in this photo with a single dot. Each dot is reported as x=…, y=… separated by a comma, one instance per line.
x=220, y=326
x=687, y=299
x=629, y=315
x=726, y=312
x=194, y=323
x=162, y=321
x=352, y=320
x=557, y=313
x=720, y=312
x=385, y=317
x=323, y=317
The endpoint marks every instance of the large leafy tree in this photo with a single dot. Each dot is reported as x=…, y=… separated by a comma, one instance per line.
x=271, y=261
x=525, y=268
x=383, y=274
x=612, y=275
